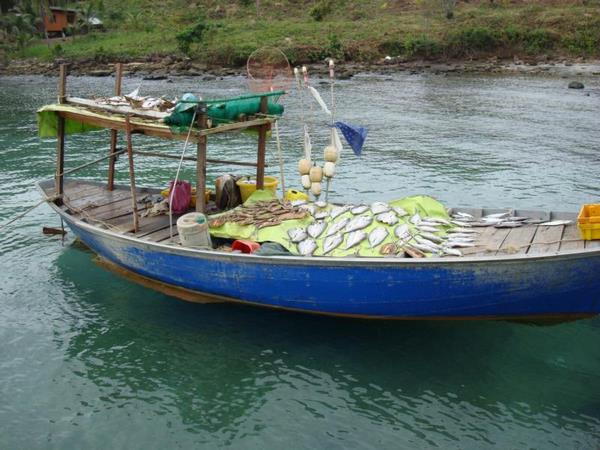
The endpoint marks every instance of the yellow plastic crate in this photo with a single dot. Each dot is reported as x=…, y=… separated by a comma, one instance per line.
x=588, y=222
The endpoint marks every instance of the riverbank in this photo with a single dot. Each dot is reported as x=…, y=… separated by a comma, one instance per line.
x=159, y=68
x=214, y=38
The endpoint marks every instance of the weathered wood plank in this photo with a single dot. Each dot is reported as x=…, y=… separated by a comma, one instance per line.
x=571, y=239
x=160, y=235
x=518, y=239
x=491, y=241
x=158, y=130
x=99, y=199
x=480, y=240
x=158, y=226
x=546, y=239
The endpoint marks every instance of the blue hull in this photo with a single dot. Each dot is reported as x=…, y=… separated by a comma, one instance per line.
x=560, y=286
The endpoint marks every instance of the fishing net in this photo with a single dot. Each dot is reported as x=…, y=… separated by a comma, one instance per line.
x=268, y=70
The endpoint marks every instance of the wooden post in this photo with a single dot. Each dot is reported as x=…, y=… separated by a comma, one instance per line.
x=60, y=134
x=201, y=160
x=113, y=133
x=262, y=145
x=131, y=174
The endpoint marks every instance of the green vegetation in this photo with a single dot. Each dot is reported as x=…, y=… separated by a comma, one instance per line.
x=226, y=32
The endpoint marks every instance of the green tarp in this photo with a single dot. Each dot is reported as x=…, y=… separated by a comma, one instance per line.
x=424, y=205
x=47, y=119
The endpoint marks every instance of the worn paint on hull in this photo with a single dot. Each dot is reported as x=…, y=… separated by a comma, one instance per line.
x=450, y=288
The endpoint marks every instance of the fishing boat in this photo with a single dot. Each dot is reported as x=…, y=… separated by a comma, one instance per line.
x=540, y=271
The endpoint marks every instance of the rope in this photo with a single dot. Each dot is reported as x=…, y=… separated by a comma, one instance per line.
x=20, y=216
x=187, y=140
x=280, y=155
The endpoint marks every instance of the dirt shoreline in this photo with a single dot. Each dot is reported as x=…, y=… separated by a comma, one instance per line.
x=161, y=68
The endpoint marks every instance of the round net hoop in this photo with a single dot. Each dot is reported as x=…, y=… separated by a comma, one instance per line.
x=268, y=70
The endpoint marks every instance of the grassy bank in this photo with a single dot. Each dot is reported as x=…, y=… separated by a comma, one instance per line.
x=225, y=33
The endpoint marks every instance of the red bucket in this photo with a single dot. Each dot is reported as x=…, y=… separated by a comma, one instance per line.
x=245, y=246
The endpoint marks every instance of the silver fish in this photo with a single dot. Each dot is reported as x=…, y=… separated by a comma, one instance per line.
x=307, y=247
x=320, y=204
x=416, y=219
x=315, y=229
x=421, y=240
x=508, y=224
x=427, y=228
x=437, y=220
x=359, y=209
x=429, y=223
x=464, y=215
x=502, y=215
x=402, y=231
x=310, y=208
x=297, y=235
x=320, y=215
x=377, y=236
x=451, y=251
x=460, y=236
x=379, y=207
x=331, y=243
x=460, y=223
x=337, y=226
x=338, y=211
x=491, y=220
x=451, y=244
x=297, y=203
x=358, y=223
x=355, y=238
x=432, y=237
x=463, y=230
x=388, y=218
x=557, y=222
x=400, y=212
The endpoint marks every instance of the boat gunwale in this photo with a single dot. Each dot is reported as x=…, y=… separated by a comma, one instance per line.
x=323, y=261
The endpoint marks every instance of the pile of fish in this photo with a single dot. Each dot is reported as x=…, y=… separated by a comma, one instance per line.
x=410, y=235
x=504, y=220
x=261, y=214
x=135, y=100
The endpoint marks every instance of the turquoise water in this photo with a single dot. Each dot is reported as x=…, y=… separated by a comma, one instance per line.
x=89, y=360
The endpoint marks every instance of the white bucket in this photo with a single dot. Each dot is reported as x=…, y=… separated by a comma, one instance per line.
x=193, y=230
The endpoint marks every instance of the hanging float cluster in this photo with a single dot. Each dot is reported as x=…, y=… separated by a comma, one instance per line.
x=311, y=174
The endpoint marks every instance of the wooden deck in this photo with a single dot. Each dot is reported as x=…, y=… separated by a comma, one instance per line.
x=112, y=210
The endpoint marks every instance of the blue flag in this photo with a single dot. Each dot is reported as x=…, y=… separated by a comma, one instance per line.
x=355, y=136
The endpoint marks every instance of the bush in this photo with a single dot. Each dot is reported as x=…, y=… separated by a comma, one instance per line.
x=537, y=40
x=320, y=10
x=474, y=39
x=421, y=46
x=583, y=42
x=191, y=35
x=391, y=47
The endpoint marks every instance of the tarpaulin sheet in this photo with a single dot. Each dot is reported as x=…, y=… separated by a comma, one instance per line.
x=424, y=205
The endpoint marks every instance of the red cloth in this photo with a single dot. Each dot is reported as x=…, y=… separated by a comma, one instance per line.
x=182, y=194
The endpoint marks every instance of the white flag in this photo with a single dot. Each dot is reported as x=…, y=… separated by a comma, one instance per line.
x=319, y=100
x=307, y=144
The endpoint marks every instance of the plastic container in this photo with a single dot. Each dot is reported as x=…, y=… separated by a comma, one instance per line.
x=193, y=230
x=207, y=193
x=247, y=185
x=293, y=194
x=245, y=246
x=588, y=222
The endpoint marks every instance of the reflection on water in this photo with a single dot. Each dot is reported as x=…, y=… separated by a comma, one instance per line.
x=88, y=356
